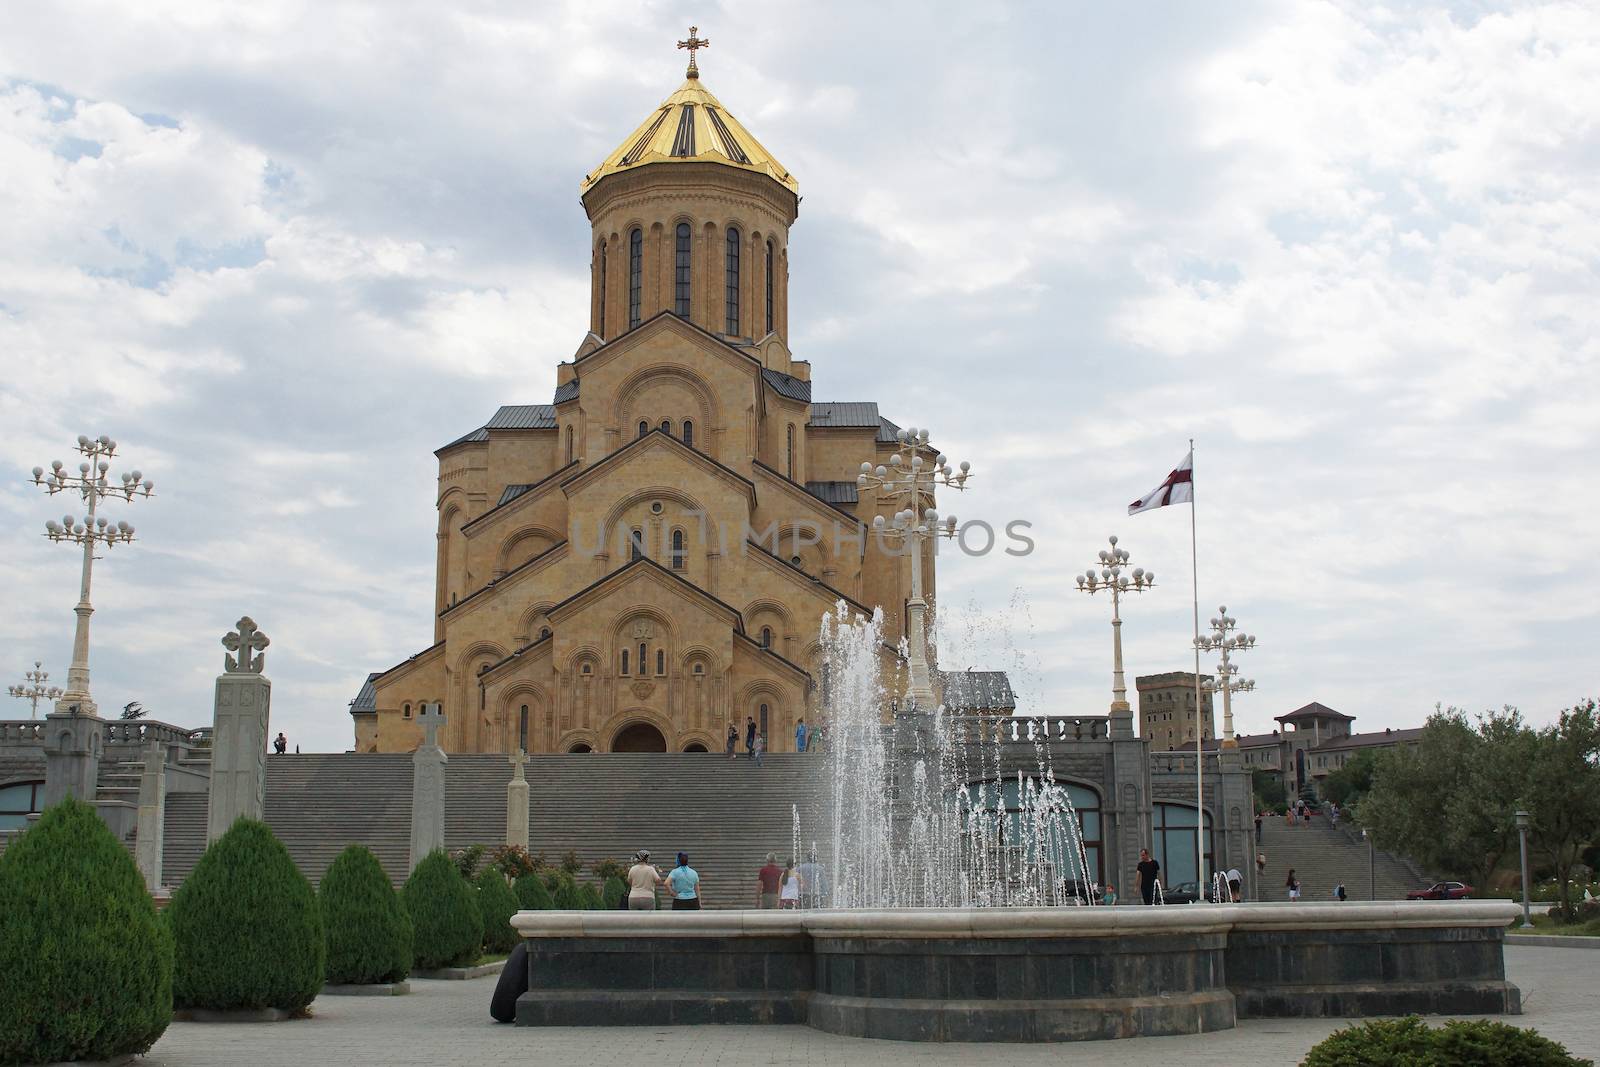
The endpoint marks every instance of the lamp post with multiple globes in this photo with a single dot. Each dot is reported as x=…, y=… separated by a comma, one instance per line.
x=35, y=687
x=1223, y=639
x=1110, y=578
x=91, y=483
x=909, y=477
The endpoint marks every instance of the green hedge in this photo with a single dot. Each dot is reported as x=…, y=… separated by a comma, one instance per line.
x=85, y=964
x=532, y=893
x=591, y=898
x=1410, y=1042
x=567, y=897
x=497, y=903
x=615, y=890
x=447, y=927
x=369, y=933
x=246, y=927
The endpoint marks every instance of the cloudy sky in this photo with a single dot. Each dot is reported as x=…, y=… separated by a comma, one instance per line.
x=282, y=251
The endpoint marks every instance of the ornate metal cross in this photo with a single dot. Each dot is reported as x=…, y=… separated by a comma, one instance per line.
x=432, y=718
x=245, y=640
x=518, y=758
x=692, y=44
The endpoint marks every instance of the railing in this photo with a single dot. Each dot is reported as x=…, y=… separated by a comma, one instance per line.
x=22, y=732
x=1181, y=762
x=1024, y=729
x=1357, y=835
x=140, y=732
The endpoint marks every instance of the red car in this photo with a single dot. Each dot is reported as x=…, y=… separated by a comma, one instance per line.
x=1441, y=891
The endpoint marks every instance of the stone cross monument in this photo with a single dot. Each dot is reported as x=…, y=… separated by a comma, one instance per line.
x=239, y=732
x=427, y=787
x=517, y=802
x=152, y=815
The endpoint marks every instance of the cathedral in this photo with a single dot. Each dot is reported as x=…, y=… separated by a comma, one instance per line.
x=647, y=558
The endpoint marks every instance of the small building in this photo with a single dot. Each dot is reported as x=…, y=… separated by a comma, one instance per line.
x=1311, y=743
x=1167, y=711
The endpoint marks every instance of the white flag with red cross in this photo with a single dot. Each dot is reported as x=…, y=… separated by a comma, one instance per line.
x=1177, y=489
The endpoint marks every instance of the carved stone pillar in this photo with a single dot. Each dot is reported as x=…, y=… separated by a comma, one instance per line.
x=427, y=787
x=240, y=716
x=152, y=815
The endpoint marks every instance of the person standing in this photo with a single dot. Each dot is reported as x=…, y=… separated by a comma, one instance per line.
x=1235, y=879
x=768, y=881
x=789, y=889
x=760, y=749
x=1258, y=828
x=1339, y=893
x=1146, y=874
x=1293, y=885
x=733, y=740
x=280, y=744
x=810, y=882
x=1261, y=865
x=750, y=736
x=1109, y=897
x=684, y=882
x=801, y=736
x=642, y=881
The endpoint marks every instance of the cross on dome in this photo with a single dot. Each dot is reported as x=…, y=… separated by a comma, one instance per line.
x=692, y=44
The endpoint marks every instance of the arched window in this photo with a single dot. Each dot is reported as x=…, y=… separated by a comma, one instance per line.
x=635, y=544
x=733, y=281
x=791, y=451
x=522, y=729
x=761, y=720
x=766, y=637
x=405, y=711
x=635, y=275
x=688, y=432
x=588, y=668
x=569, y=444
x=679, y=554
x=644, y=658
x=644, y=427
x=666, y=426
x=602, y=288
x=661, y=663
x=682, y=289
x=624, y=661
x=544, y=632
x=699, y=668
x=769, y=286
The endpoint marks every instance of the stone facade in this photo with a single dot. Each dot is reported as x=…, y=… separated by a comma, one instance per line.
x=1167, y=711
x=1311, y=743
x=648, y=558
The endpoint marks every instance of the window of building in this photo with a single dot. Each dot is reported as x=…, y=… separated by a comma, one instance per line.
x=769, y=287
x=522, y=729
x=791, y=451
x=661, y=663
x=17, y=802
x=544, y=632
x=766, y=637
x=666, y=426
x=569, y=444
x=688, y=433
x=1172, y=842
x=588, y=668
x=635, y=275
x=699, y=668
x=624, y=661
x=761, y=718
x=644, y=427
x=733, y=281
x=681, y=294
x=680, y=555
x=795, y=560
x=644, y=657
x=988, y=805
x=602, y=288
x=635, y=544
x=405, y=711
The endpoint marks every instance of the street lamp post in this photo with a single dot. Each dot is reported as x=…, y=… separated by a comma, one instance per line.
x=1524, y=820
x=35, y=687
x=1227, y=682
x=93, y=529
x=909, y=477
x=1111, y=578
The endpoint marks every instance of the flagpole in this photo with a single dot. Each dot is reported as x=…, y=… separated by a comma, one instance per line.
x=1199, y=705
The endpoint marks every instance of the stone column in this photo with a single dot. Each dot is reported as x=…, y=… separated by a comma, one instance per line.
x=239, y=732
x=152, y=815
x=72, y=747
x=427, y=787
x=517, y=802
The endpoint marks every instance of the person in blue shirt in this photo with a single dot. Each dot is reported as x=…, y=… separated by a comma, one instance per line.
x=801, y=736
x=684, y=881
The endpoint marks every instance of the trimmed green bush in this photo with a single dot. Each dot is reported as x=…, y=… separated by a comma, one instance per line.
x=446, y=926
x=532, y=893
x=567, y=897
x=591, y=898
x=246, y=927
x=85, y=964
x=497, y=903
x=369, y=933
x=615, y=890
x=1410, y=1042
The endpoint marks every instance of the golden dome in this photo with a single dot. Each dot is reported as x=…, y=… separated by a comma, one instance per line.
x=692, y=126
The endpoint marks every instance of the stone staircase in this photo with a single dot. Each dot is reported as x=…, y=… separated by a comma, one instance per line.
x=1321, y=857
x=726, y=814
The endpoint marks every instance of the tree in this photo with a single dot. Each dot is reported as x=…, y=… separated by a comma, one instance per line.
x=1450, y=802
x=498, y=904
x=246, y=927
x=1563, y=792
x=369, y=933
x=532, y=893
x=1349, y=783
x=1270, y=795
x=85, y=963
x=446, y=924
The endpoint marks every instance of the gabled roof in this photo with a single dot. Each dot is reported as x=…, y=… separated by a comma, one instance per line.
x=1372, y=740
x=658, y=434
x=510, y=417
x=834, y=493
x=835, y=595
x=829, y=414
x=787, y=385
x=512, y=492
x=1314, y=710
x=566, y=392
x=802, y=492
x=366, y=701
x=512, y=573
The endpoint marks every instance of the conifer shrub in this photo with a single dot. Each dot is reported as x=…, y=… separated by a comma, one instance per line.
x=446, y=925
x=1410, y=1041
x=567, y=897
x=368, y=931
x=533, y=894
x=614, y=892
x=497, y=903
x=246, y=927
x=591, y=898
x=85, y=963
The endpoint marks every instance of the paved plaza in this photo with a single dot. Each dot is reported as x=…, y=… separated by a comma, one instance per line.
x=448, y=1023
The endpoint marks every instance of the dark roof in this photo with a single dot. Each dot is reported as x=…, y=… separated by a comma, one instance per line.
x=1372, y=740
x=510, y=417
x=977, y=690
x=366, y=700
x=1315, y=710
x=511, y=492
x=566, y=392
x=834, y=492
x=831, y=413
x=788, y=385
x=886, y=432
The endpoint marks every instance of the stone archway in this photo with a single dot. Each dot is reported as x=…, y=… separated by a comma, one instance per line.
x=639, y=737
x=695, y=746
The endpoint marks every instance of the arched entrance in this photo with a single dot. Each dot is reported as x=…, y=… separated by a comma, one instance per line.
x=639, y=737
x=694, y=746
x=581, y=746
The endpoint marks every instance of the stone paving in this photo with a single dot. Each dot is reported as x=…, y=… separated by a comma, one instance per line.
x=448, y=1023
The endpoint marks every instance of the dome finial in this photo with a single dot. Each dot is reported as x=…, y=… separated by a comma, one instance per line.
x=692, y=44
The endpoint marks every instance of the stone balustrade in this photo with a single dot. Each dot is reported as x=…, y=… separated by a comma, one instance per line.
x=117, y=732
x=22, y=732
x=1027, y=729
